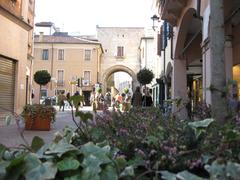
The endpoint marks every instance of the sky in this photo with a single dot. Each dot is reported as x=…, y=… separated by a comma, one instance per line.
x=81, y=16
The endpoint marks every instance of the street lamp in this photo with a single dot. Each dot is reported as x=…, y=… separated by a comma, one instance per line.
x=155, y=20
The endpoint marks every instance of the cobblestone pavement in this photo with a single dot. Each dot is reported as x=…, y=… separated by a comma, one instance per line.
x=10, y=136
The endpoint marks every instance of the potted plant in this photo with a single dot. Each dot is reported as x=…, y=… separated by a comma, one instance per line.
x=38, y=117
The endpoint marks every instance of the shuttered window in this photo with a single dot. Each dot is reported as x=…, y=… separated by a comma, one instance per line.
x=120, y=51
x=7, y=86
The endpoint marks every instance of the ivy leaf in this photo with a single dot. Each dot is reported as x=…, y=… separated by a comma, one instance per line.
x=185, y=175
x=84, y=116
x=61, y=148
x=128, y=171
x=75, y=177
x=233, y=170
x=101, y=153
x=2, y=150
x=68, y=164
x=109, y=173
x=51, y=170
x=206, y=158
x=121, y=163
x=201, y=124
x=37, y=143
x=92, y=168
x=216, y=170
x=232, y=135
x=199, y=127
x=35, y=169
x=168, y=175
x=15, y=162
x=3, y=165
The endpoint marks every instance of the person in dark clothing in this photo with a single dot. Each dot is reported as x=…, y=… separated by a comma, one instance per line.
x=147, y=99
x=137, y=98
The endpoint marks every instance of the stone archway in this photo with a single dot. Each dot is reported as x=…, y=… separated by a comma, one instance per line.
x=118, y=68
x=182, y=33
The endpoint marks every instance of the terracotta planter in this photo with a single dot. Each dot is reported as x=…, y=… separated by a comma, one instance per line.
x=38, y=123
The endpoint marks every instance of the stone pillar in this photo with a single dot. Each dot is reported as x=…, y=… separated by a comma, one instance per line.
x=179, y=86
x=228, y=57
x=206, y=64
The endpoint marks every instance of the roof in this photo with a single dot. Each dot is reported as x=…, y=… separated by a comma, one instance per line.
x=44, y=24
x=63, y=39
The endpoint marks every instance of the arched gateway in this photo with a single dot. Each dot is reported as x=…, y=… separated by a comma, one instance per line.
x=120, y=52
x=118, y=68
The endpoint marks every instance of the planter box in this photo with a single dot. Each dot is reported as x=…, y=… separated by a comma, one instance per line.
x=37, y=124
x=38, y=117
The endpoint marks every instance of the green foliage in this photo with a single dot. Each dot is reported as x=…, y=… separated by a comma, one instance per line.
x=126, y=90
x=42, y=77
x=145, y=76
x=199, y=127
x=220, y=170
x=76, y=99
x=37, y=143
x=99, y=90
x=139, y=144
x=63, y=160
x=39, y=110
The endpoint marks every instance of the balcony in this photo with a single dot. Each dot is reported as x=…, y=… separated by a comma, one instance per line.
x=170, y=10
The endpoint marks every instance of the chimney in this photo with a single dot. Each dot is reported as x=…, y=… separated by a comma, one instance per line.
x=41, y=37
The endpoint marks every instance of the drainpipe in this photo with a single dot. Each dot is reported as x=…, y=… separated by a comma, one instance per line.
x=51, y=85
x=198, y=13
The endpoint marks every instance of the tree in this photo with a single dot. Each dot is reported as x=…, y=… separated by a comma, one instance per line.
x=42, y=78
x=218, y=75
x=145, y=76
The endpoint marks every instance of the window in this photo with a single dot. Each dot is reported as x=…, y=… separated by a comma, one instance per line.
x=120, y=51
x=59, y=91
x=61, y=54
x=87, y=55
x=43, y=93
x=86, y=78
x=60, y=74
x=45, y=54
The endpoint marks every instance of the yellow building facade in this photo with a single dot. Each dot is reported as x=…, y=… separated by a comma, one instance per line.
x=73, y=63
x=16, y=43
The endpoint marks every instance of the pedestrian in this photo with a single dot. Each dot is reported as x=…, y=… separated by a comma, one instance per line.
x=137, y=98
x=69, y=104
x=61, y=100
x=147, y=99
x=107, y=99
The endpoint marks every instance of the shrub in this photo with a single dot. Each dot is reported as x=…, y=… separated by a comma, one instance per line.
x=39, y=110
x=145, y=76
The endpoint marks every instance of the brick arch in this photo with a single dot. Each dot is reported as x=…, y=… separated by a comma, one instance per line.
x=118, y=68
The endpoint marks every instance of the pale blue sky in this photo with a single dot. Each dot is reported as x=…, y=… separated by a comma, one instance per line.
x=82, y=16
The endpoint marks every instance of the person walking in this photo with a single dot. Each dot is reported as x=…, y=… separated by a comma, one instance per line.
x=137, y=98
x=61, y=100
x=107, y=99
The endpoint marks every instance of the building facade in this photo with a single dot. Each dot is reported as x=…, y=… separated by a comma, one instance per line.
x=121, y=51
x=190, y=50
x=73, y=63
x=16, y=58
